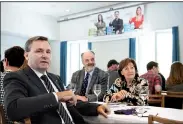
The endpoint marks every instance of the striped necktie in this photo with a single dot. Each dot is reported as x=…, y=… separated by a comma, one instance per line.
x=63, y=113
x=84, y=85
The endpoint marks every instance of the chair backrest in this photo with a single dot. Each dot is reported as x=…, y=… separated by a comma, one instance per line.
x=152, y=118
x=2, y=115
x=174, y=93
x=176, y=96
x=156, y=99
x=3, y=120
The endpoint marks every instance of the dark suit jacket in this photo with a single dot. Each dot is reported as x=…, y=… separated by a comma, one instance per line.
x=98, y=77
x=25, y=96
x=117, y=24
x=113, y=75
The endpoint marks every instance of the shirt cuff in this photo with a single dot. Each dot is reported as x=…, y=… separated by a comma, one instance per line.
x=56, y=97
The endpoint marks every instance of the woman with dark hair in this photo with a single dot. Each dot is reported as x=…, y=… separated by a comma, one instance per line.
x=138, y=19
x=100, y=25
x=128, y=87
x=175, y=80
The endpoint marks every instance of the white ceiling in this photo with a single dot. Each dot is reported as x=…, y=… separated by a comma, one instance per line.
x=58, y=9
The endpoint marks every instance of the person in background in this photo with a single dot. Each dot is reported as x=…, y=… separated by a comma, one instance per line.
x=101, y=26
x=112, y=65
x=128, y=87
x=112, y=68
x=14, y=58
x=138, y=19
x=154, y=80
x=35, y=93
x=2, y=67
x=117, y=23
x=174, y=83
x=86, y=78
x=175, y=80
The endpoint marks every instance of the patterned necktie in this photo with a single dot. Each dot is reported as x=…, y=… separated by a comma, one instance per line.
x=63, y=113
x=84, y=85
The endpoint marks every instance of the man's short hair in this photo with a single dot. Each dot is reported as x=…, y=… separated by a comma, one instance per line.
x=116, y=12
x=31, y=40
x=111, y=62
x=15, y=56
x=151, y=64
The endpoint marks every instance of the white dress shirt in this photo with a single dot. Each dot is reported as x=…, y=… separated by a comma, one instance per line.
x=56, y=90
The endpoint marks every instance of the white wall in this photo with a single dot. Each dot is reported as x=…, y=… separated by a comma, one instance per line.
x=17, y=25
x=159, y=15
x=164, y=15
x=24, y=22
x=55, y=60
x=10, y=40
x=107, y=50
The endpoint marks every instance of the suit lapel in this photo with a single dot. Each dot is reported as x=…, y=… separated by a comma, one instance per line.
x=34, y=79
x=55, y=82
x=81, y=78
x=93, y=79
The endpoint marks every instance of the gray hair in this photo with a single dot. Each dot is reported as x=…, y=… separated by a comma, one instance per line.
x=87, y=51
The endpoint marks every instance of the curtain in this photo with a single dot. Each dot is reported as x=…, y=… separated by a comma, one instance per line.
x=63, y=61
x=132, y=48
x=175, y=44
x=89, y=45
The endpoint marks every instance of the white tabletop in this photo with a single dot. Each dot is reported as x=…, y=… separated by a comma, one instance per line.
x=175, y=114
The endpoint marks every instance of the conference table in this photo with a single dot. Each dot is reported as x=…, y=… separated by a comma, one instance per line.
x=170, y=113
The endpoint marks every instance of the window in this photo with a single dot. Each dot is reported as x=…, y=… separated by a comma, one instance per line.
x=164, y=51
x=74, y=63
x=155, y=46
x=145, y=51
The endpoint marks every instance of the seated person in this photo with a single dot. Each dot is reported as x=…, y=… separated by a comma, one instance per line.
x=112, y=68
x=87, y=77
x=128, y=86
x=174, y=83
x=154, y=79
x=175, y=80
x=14, y=58
x=35, y=93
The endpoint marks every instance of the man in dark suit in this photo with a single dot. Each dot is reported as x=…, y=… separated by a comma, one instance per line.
x=36, y=94
x=112, y=67
x=86, y=78
x=117, y=23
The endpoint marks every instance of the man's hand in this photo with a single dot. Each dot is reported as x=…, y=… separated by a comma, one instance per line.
x=117, y=32
x=82, y=98
x=103, y=110
x=67, y=96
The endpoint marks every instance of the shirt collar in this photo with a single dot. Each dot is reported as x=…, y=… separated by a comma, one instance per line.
x=91, y=72
x=38, y=73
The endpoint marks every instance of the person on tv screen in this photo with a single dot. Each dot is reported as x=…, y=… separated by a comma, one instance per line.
x=100, y=25
x=117, y=23
x=138, y=19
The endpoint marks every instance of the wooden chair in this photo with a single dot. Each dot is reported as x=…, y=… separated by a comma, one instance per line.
x=156, y=99
x=3, y=120
x=2, y=115
x=169, y=94
x=152, y=118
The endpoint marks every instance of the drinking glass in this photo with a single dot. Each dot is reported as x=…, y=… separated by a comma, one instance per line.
x=97, y=90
